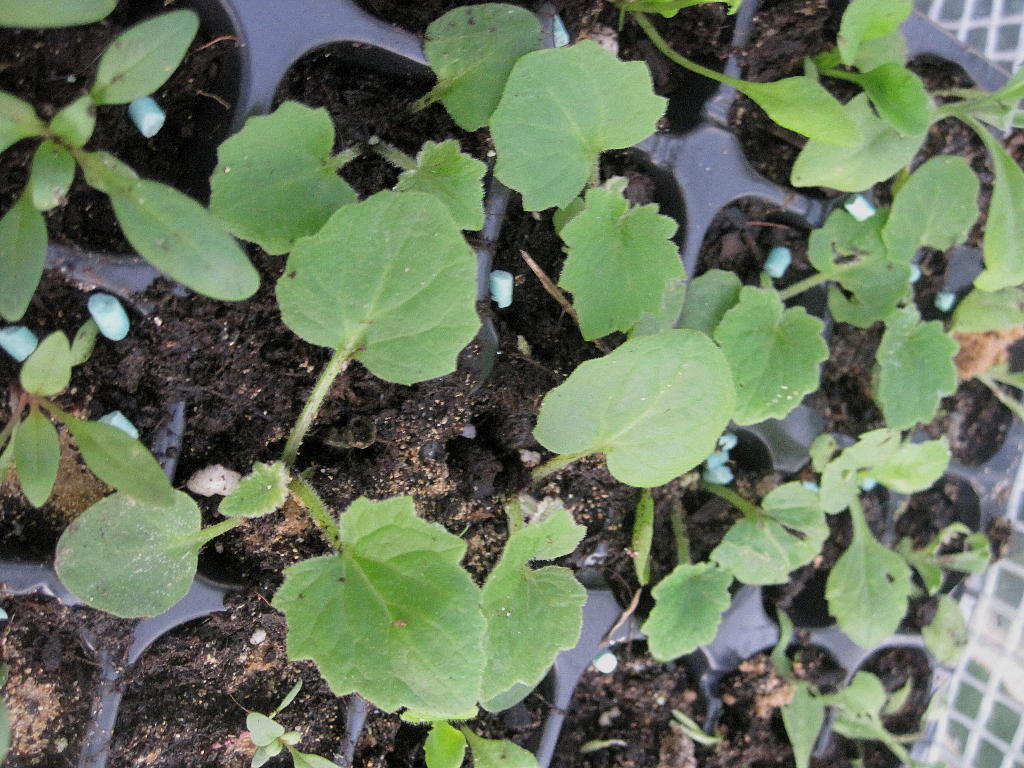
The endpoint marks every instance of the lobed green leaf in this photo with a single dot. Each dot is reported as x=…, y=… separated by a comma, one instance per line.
x=549, y=135
x=916, y=369
x=531, y=614
x=36, y=457
x=620, y=260
x=129, y=557
x=22, y=256
x=285, y=155
x=687, y=610
x=452, y=177
x=143, y=57
x=392, y=280
x=655, y=407
x=472, y=50
x=775, y=354
x=393, y=616
x=262, y=491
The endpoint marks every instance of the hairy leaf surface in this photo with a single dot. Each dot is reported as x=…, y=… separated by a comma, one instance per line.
x=261, y=492
x=688, y=606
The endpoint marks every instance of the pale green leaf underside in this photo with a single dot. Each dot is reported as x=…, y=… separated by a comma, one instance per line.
x=916, y=369
x=47, y=371
x=787, y=536
x=868, y=588
x=130, y=558
x=393, y=617
x=453, y=178
x=936, y=208
x=22, y=256
x=392, y=280
x=143, y=57
x=561, y=108
x=262, y=491
x=287, y=157
x=687, y=610
x=36, y=457
x=775, y=354
x=655, y=407
x=620, y=260
x=472, y=51
x=121, y=461
x=881, y=153
x=531, y=614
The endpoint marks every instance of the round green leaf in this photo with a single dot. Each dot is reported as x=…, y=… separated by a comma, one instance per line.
x=131, y=558
x=775, y=354
x=561, y=108
x=286, y=156
x=655, y=407
x=472, y=50
x=392, y=280
x=143, y=57
x=22, y=256
x=36, y=457
x=47, y=371
x=121, y=461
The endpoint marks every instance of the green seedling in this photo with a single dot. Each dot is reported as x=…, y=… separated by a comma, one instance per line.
x=30, y=440
x=168, y=229
x=271, y=738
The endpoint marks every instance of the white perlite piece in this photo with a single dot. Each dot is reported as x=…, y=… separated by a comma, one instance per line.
x=215, y=480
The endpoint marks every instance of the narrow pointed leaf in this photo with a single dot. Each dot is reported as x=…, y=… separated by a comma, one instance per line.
x=393, y=617
x=803, y=718
x=143, y=57
x=620, y=260
x=654, y=407
x=775, y=354
x=1004, y=230
x=47, y=371
x=390, y=278
x=121, y=461
x=531, y=614
x=36, y=457
x=453, y=178
x=22, y=256
x=472, y=51
x=802, y=104
x=549, y=136
x=131, y=558
x=286, y=156
x=688, y=606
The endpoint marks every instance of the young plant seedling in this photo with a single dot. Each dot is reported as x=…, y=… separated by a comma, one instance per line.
x=271, y=738
x=168, y=229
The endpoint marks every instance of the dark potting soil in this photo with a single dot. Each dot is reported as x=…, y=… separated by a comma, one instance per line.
x=50, y=68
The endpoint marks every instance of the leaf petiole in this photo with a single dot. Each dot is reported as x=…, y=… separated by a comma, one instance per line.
x=1015, y=407
x=554, y=464
x=335, y=367
x=212, y=532
x=749, y=510
x=802, y=285
x=319, y=511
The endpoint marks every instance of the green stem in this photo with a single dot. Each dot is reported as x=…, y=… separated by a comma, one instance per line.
x=859, y=522
x=677, y=519
x=802, y=285
x=335, y=366
x=728, y=494
x=1015, y=407
x=552, y=465
x=344, y=157
x=217, y=529
x=842, y=74
x=514, y=514
x=395, y=156
x=660, y=43
x=319, y=511
x=595, y=173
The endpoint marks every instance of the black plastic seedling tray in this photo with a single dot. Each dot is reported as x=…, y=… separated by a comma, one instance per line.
x=698, y=173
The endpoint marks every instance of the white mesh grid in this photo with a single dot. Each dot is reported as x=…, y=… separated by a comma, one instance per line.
x=991, y=27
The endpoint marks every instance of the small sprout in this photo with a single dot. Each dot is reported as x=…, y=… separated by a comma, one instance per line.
x=598, y=744
x=559, y=32
x=215, y=480
x=147, y=115
x=606, y=662
x=18, y=342
x=718, y=475
x=778, y=261
x=693, y=730
x=859, y=207
x=915, y=273
x=727, y=442
x=944, y=300
x=119, y=420
x=109, y=315
x=500, y=284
